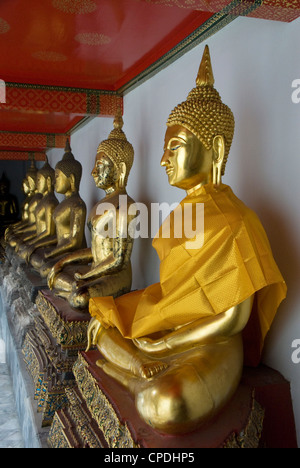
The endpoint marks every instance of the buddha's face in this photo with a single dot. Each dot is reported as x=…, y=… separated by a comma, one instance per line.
x=105, y=173
x=26, y=188
x=32, y=184
x=3, y=188
x=41, y=183
x=188, y=163
x=62, y=182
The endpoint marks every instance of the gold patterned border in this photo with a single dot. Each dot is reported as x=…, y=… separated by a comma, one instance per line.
x=67, y=334
x=116, y=434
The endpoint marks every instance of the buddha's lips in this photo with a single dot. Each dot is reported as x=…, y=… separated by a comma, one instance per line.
x=169, y=170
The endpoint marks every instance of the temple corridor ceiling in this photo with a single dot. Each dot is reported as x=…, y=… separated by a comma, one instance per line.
x=65, y=61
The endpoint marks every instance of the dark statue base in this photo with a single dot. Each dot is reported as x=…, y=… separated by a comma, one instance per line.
x=101, y=413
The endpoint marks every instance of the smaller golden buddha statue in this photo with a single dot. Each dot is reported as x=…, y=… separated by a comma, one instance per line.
x=9, y=211
x=14, y=234
x=45, y=226
x=104, y=268
x=180, y=345
x=69, y=218
x=25, y=205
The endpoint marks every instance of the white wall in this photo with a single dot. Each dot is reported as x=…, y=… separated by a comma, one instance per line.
x=255, y=63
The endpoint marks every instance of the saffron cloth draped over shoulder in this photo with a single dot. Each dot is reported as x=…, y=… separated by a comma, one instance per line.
x=234, y=262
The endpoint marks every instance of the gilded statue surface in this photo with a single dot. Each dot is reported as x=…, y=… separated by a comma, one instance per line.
x=69, y=218
x=180, y=345
x=104, y=269
x=44, y=223
x=16, y=233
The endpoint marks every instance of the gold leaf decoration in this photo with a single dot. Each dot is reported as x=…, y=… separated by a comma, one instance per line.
x=92, y=39
x=78, y=7
x=49, y=56
x=4, y=26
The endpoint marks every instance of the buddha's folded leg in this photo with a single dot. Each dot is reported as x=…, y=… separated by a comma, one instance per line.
x=46, y=266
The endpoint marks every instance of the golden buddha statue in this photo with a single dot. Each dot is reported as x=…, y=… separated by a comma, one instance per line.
x=15, y=234
x=69, y=218
x=105, y=268
x=178, y=345
x=45, y=226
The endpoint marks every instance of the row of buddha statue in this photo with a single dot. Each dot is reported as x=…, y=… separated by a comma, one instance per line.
x=179, y=346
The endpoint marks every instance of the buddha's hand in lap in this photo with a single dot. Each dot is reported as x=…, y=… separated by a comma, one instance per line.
x=151, y=346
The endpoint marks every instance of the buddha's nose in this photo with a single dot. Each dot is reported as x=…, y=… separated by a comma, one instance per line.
x=165, y=158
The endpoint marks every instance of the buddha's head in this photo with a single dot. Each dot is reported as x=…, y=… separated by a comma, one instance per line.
x=199, y=134
x=114, y=158
x=31, y=176
x=45, y=179
x=68, y=173
x=4, y=185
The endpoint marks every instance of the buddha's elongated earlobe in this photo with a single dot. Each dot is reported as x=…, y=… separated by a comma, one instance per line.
x=49, y=184
x=122, y=176
x=218, y=159
x=72, y=183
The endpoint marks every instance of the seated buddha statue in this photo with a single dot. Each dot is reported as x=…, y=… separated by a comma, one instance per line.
x=9, y=210
x=69, y=218
x=14, y=234
x=179, y=346
x=104, y=269
x=45, y=226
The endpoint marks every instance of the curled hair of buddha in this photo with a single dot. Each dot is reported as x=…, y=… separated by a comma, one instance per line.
x=203, y=113
x=117, y=148
x=47, y=171
x=69, y=166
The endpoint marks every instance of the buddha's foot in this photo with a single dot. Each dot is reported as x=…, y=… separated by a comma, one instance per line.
x=146, y=369
x=151, y=368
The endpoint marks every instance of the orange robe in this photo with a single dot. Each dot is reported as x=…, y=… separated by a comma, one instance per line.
x=234, y=262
